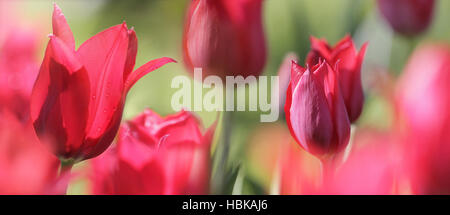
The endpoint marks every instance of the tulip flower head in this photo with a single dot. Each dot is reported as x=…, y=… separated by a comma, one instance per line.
x=349, y=63
x=407, y=17
x=315, y=110
x=156, y=155
x=224, y=38
x=78, y=97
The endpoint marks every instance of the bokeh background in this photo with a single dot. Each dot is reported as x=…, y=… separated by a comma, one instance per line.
x=288, y=25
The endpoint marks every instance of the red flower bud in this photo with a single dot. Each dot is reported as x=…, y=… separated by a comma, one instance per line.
x=224, y=38
x=78, y=98
x=423, y=106
x=349, y=63
x=407, y=17
x=315, y=110
x=156, y=155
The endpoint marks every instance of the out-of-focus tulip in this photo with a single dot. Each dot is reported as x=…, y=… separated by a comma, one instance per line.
x=78, y=98
x=315, y=110
x=370, y=169
x=26, y=167
x=225, y=38
x=348, y=62
x=156, y=155
x=18, y=71
x=407, y=17
x=423, y=106
x=300, y=171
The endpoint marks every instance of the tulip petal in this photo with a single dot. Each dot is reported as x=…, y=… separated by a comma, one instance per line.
x=310, y=115
x=61, y=29
x=132, y=149
x=145, y=69
x=131, y=54
x=104, y=57
x=60, y=99
x=340, y=117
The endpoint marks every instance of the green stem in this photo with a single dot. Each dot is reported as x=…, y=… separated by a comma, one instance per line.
x=223, y=153
x=66, y=167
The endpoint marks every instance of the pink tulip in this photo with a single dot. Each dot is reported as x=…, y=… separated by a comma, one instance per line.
x=315, y=110
x=26, y=167
x=423, y=107
x=156, y=155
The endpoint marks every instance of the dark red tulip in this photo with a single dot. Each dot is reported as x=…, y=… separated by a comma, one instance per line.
x=348, y=62
x=423, y=107
x=315, y=110
x=407, y=17
x=224, y=38
x=156, y=155
x=78, y=98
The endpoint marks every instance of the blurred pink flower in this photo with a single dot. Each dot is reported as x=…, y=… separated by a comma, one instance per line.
x=26, y=167
x=423, y=108
x=156, y=155
x=18, y=71
x=372, y=167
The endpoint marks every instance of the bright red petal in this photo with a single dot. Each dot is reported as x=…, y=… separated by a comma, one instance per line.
x=61, y=29
x=104, y=56
x=145, y=69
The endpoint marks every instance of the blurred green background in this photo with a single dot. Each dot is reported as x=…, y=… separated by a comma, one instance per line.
x=288, y=25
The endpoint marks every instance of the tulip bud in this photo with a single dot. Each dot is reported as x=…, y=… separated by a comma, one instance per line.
x=407, y=17
x=348, y=62
x=78, y=97
x=423, y=107
x=315, y=110
x=224, y=38
x=156, y=155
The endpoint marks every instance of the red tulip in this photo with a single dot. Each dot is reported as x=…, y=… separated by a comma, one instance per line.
x=349, y=63
x=26, y=167
x=407, y=17
x=423, y=106
x=224, y=38
x=315, y=110
x=156, y=155
x=78, y=98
